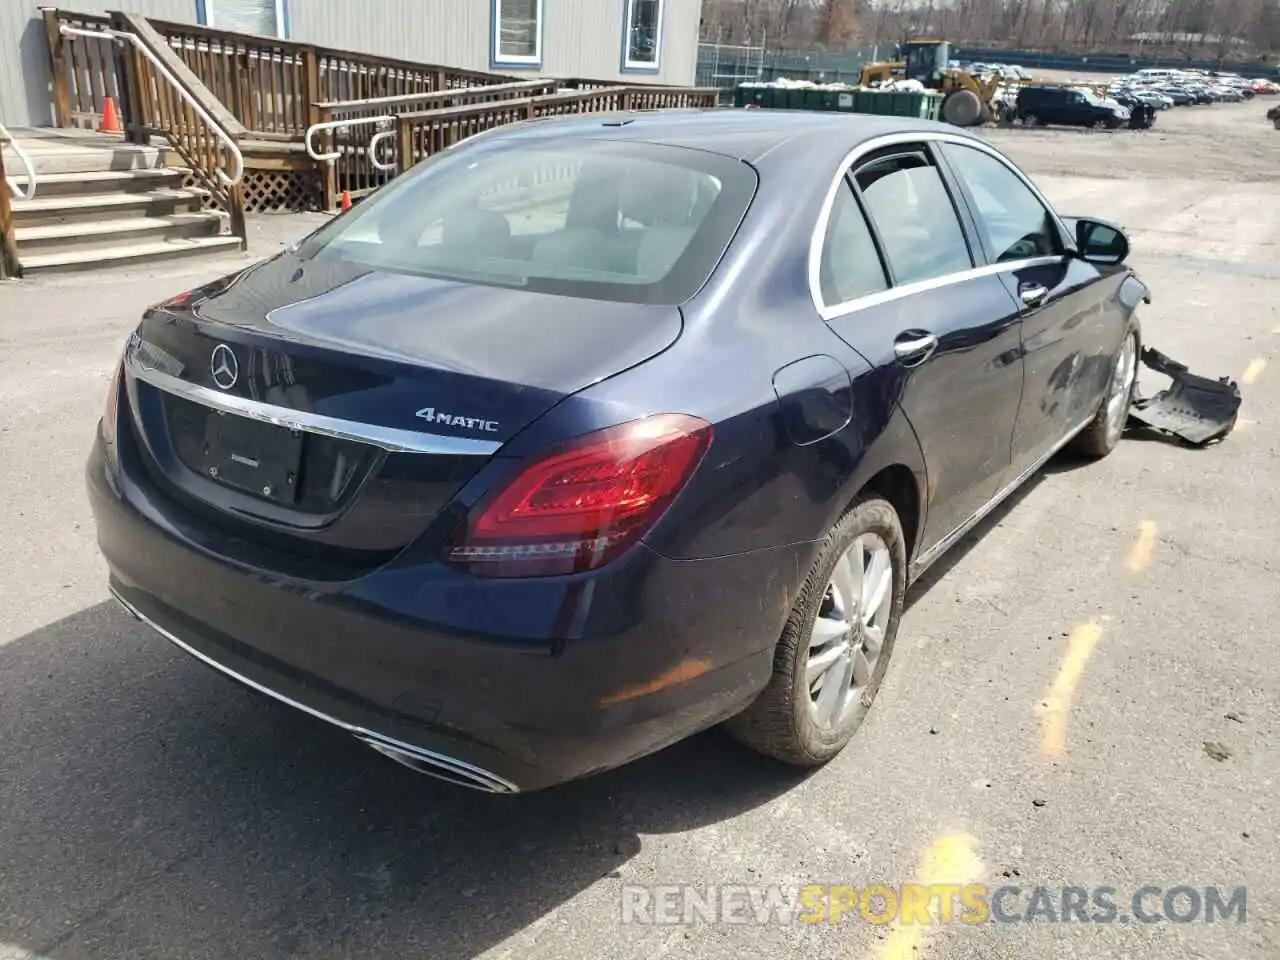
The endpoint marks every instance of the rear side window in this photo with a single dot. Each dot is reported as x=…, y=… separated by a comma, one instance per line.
x=850, y=266
x=634, y=222
x=1014, y=223
x=913, y=214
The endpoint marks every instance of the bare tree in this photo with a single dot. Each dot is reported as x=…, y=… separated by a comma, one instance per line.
x=1204, y=28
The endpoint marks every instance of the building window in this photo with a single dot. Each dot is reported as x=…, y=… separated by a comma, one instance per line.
x=264, y=18
x=517, y=32
x=644, y=34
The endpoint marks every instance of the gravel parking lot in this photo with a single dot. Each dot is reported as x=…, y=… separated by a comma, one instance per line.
x=1085, y=694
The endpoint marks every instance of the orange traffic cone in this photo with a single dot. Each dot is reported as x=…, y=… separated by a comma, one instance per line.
x=344, y=204
x=110, y=118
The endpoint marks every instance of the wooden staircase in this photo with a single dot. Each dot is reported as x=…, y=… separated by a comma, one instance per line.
x=100, y=202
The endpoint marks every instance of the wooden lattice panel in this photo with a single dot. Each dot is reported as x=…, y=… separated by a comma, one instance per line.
x=280, y=191
x=189, y=180
x=273, y=191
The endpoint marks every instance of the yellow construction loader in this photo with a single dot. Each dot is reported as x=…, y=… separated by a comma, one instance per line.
x=967, y=100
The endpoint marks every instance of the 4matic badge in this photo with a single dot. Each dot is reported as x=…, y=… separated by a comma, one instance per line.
x=431, y=415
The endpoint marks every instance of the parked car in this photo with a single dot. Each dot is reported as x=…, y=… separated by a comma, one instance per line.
x=519, y=485
x=1038, y=105
x=1179, y=95
x=1142, y=94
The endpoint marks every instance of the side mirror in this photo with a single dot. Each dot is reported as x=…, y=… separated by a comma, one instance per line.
x=1101, y=242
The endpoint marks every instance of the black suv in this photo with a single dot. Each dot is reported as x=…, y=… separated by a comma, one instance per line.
x=1062, y=105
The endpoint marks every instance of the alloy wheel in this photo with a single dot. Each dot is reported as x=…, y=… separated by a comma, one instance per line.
x=848, y=633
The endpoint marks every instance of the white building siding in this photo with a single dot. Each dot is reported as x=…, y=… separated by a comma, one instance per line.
x=580, y=38
x=452, y=33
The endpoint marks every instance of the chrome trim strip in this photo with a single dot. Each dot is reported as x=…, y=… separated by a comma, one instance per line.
x=933, y=283
x=927, y=559
x=467, y=774
x=819, y=234
x=388, y=438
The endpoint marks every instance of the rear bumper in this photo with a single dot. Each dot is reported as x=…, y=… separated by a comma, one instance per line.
x=223, y=660
x=643, y=657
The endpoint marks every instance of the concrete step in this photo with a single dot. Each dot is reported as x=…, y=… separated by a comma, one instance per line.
x=129, y=231
x=101, y=181
x=54, y=154
x=90, y=208
x=92, y=258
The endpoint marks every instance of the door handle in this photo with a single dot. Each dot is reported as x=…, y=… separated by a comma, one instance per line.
x=915, y=348
x=1033, y=294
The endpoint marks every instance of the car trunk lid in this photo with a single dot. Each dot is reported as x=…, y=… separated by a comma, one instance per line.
x=331, y=407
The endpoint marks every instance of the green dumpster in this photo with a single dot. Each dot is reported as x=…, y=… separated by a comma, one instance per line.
x=775, y=98
x=795, y=99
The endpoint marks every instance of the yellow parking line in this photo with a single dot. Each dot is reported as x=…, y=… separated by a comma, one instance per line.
x=1142, y=549
x=1275, y=329
x=951, y=859
x=1253, y=370
x=1057, y=704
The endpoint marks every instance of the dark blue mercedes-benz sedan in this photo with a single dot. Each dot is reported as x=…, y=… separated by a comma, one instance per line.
x=597, y=431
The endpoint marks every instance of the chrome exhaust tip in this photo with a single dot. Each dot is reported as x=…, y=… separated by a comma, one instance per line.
x=437, y=765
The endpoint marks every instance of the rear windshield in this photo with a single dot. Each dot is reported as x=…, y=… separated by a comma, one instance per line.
x=606, y=220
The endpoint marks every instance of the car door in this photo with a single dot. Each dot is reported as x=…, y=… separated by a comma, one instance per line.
x=1064, y=305
x=898, y=283
x=1055, y=107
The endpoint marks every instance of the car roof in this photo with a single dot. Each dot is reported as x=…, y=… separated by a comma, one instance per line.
x=740, y=134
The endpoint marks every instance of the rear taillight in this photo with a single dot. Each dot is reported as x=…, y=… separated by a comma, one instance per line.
x=579, y=507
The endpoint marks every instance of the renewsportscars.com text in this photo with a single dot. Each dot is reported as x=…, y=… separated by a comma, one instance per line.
x=929, y=904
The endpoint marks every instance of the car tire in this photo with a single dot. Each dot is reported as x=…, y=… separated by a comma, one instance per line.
x=791, y=720
x=1102, y=434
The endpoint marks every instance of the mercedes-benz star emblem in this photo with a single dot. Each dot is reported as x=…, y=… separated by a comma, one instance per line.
x=224, y=367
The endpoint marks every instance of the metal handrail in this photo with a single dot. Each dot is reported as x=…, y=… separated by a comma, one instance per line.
x=237, y=158
x=337, y=125
x=7, y=137
x=374, y=142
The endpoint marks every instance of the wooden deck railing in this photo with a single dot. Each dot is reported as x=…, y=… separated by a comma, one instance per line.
x=352, y=170
x=85, y=71
x=419, y=135
x=444, y=118
x=272, y=86
x=269, y=85
x=266, y=84
x=163, y=109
